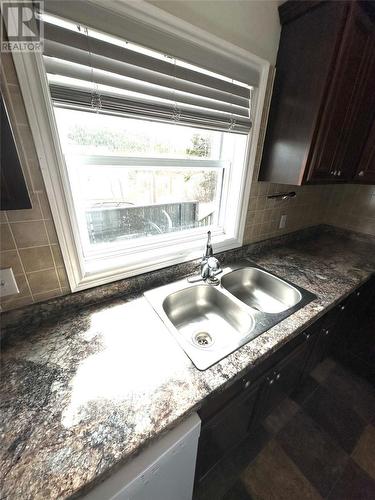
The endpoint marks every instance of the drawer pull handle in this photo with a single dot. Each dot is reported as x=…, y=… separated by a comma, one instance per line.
x=342, y=308
x=278, y=376
x=247, y=384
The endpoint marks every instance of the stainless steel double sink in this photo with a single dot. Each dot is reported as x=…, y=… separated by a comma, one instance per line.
x=209, y=322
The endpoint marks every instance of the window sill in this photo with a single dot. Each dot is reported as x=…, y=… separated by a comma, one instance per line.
x=99, y=272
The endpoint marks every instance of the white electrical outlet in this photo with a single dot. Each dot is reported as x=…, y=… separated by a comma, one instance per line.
x=8, y=284
x=282, y=222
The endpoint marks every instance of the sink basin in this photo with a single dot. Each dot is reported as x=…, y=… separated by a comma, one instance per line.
x=210, y=322
x=261, y=290
x=205, y=317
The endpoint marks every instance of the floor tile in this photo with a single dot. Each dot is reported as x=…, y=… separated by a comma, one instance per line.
x=321, y=371
x=340, y=421
x=286, y=482
x=249, y=449
x=313, y=451
x=354, y=484
x=237, y=492
x=305, y=390
x=355, y=391
x=226, y=473
x=280, y=416
x=364, y=452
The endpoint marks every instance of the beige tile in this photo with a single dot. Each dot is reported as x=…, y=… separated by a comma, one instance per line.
x=364, y=452
x=57, y=255
x=33, y=213
x=6, y=240
x=51, y=231
x=286, y=481
x=40, y=297
x=8, y=67
x=37, y=258
x=27, y=141
x=63, y=277
x=18, y=105
x=44, y=204
x=35, y=174
x=10, y=258
x=43, y=281
x=29, y=234
x=16, y=302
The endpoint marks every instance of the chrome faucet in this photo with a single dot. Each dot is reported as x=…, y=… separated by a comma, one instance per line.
x=210, y=266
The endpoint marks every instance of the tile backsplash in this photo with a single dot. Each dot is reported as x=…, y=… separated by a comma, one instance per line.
x=29, y=242
x=352, y=207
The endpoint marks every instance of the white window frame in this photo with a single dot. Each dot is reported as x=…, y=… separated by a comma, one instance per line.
x=35, y=91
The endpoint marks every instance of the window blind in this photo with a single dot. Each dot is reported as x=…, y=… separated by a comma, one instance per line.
x=93, y=71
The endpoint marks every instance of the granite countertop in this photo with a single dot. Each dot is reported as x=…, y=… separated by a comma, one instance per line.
x=82, y=393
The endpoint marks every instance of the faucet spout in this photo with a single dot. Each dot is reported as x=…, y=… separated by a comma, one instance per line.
x=210, y=266
x=209, y=251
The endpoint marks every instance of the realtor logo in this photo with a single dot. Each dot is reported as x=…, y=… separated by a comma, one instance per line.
x=23, y=26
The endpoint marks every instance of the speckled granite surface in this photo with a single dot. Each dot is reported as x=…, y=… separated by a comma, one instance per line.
x=82, y=393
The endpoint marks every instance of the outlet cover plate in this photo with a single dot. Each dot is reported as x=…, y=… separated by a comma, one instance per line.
x=8, y=284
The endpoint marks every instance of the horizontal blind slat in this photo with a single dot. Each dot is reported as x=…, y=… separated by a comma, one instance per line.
x=78, y=56
x=79, y=99
x=61, y=68
x=112, y=51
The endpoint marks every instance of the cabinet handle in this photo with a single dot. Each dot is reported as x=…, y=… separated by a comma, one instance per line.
x=278, y=376
x=271, y=381
x=339, y=173
x=247, y=384
x=342, y=308
x=326, y=332
x=332, y=172
x=361, y=173
x=307, y=336
x=358, y=294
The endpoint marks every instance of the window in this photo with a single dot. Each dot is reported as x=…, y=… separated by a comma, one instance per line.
x=137, y=182
x=141, y=152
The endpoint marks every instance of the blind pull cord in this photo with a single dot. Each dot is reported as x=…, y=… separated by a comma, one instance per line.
x=176, y=111
x=232, y=122
x=96, y=100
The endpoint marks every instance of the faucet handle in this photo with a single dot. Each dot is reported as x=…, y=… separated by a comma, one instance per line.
x=214, y=265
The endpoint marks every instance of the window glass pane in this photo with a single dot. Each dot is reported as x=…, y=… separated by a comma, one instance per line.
x=97, y=134
x=123, y=203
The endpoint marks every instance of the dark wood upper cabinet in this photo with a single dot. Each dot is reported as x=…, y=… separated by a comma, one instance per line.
x=323, y=102
x=366, y=167
x=13, y=190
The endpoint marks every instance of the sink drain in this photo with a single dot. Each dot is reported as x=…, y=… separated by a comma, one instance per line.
x=202, y=339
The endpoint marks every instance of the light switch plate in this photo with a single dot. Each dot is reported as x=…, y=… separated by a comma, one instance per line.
x=8, y=284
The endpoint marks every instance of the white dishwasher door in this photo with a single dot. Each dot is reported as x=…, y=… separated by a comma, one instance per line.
x=163, y=471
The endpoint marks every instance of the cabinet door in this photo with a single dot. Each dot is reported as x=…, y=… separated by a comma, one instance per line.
x=307, y=51
x=282, y=380
x=366, y=167
x=361, y=119
x=224, y=431
x=339, y=135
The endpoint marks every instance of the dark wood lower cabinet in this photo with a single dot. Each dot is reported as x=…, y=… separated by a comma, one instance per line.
x=226, y=429
x=281, y=381
x=346, y=332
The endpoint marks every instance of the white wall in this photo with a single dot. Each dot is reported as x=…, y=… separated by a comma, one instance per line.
x=251, y=24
